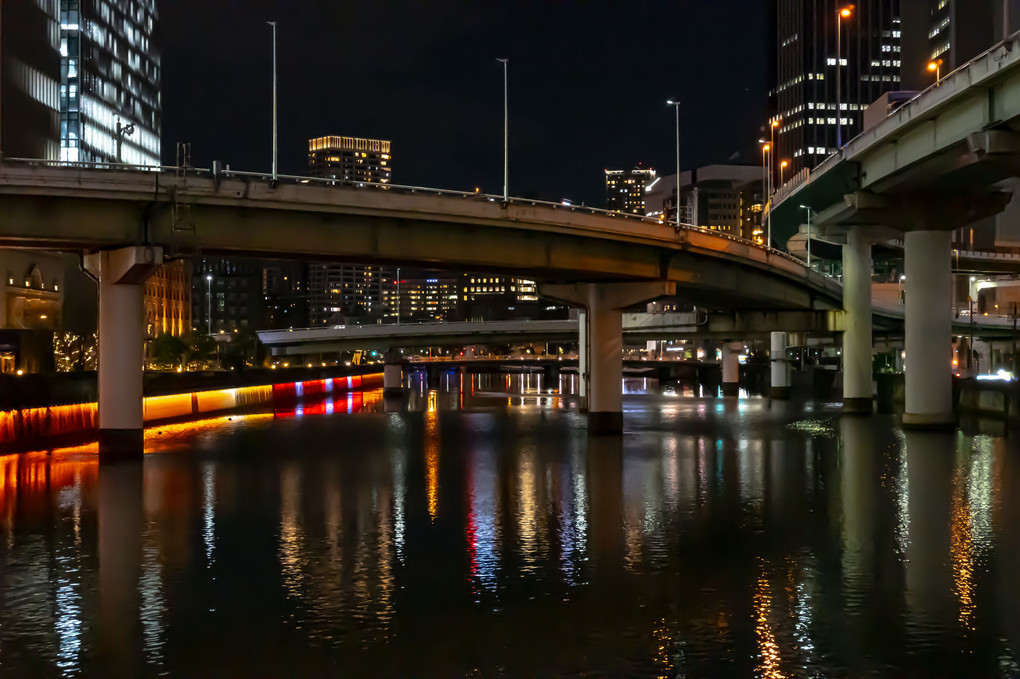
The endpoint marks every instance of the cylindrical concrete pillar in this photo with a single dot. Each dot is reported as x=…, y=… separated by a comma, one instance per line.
x=582, y=360
x=393, y=374
x=857, y=360
x=731, y=368
x=780, y=367
x=121, y=364
x=605, y=356
x=929, y=382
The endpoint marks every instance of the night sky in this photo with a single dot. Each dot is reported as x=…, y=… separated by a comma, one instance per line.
x=588, y=85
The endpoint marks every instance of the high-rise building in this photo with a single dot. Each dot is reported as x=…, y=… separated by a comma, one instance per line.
x=226, y=295
x=493, y=298
x=803, y=89
x=625, y=189
x=420, y=296
x=348, y=293
x=109, y=82
x=350, y=159
x=30, y=79
x=959, y=30
x=285, y=295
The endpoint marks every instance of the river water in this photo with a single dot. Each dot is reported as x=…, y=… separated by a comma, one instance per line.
x=476, y=530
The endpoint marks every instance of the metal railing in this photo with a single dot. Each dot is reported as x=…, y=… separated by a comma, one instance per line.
x=268, y=178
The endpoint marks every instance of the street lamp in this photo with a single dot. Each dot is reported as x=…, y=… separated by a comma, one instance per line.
x=782, y=166
x=208, y=302
x=273, y=24
x=844, y=13
x=506, y=130
x=935, y=67
x=808, y=208
x=123, y=131
x=676, y=106
x=767, y=188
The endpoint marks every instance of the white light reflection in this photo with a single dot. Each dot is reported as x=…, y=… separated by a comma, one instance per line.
x=209, y=511
x=483, y=526
x=291, y=536
x=902, y=530
x=399, y=494
x=68, y=624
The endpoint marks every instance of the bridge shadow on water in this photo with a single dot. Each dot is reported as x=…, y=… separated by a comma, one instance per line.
x=475, y=528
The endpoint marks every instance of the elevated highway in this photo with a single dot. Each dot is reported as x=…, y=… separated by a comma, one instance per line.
x=940, y=162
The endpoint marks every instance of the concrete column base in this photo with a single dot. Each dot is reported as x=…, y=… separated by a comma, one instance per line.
x=780, y=393
x=731, y=389
x=858, y=406
x=939, y=421
x=605, y=423
x=116, y=445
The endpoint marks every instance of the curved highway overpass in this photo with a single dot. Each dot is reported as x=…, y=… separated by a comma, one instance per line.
x=46, y=205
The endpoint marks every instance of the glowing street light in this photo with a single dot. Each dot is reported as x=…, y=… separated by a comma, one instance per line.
x=844, y=13
x=782, y=166
x=935, y=67
x=676, y=105
x=766, y=186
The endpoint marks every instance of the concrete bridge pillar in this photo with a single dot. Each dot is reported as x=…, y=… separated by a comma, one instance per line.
x=857, y=341
x=122, y=274
x=604, y=303
x=780, y=367
x=393, y=373
x=582, y=361
x=731, y=368
x=929, y=381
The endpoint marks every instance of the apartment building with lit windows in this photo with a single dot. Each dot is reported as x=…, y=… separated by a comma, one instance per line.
x=110, y=108
x=625, y=189
x=805, y=70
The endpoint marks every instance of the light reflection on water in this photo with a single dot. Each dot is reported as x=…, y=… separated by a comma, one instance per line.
x=455, y=533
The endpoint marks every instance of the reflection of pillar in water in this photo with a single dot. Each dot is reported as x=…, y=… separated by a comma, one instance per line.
x=120, y=551
x=858, y=488
x=605, y=497
x=929, y=502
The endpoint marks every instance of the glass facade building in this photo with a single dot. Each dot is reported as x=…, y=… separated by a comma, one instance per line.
x=109, y=80
x=803, y=89
x=29, y=79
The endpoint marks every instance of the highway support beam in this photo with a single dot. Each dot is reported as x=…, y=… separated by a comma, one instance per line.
x=780, y=386
x=604, y=303
x=122, y=274
x=929, y=312
x=857, y=337
x=731, y=368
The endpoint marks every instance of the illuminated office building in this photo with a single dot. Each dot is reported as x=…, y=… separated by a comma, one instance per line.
x=109, y=80
x=348, y=293
x=960, y=30
x=625, y=189
x=350, y=159
x=804, y=73
x=493, y=298
x=29, y=79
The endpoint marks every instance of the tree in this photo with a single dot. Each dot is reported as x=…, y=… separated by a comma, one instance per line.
x=168, y=352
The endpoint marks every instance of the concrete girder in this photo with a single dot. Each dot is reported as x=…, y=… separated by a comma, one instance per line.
x=886, y=217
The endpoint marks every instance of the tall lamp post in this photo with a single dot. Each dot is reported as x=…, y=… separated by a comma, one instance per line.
x=808, y=208
x=273, y=24
x=506, y=130
x=123, y=131
x=935, y=66
x=208, y=302
x=782, y=167
x=766, y=149
x=844, y=13
x=676, y=106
